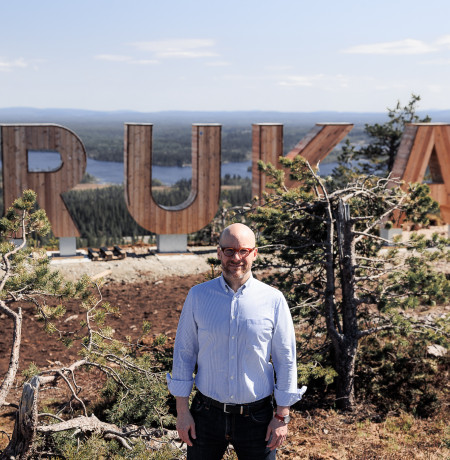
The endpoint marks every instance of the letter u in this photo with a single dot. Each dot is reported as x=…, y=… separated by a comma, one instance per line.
x=202, y=204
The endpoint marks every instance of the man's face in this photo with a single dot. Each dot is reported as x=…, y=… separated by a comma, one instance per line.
x=236, y=267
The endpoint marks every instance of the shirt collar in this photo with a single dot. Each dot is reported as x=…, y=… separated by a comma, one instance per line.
x=227, y=288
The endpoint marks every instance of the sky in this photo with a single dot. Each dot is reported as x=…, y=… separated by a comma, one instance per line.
x=285, y=55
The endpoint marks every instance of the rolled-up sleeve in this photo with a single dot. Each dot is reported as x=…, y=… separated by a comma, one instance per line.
x=185, y=352
x=284, y=358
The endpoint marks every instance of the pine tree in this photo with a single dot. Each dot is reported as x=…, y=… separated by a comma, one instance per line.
x=326, y=256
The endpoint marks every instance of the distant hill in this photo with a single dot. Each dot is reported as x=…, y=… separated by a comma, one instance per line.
x=34, y=115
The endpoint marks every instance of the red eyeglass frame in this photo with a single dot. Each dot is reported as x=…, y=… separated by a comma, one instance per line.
x=237, y=251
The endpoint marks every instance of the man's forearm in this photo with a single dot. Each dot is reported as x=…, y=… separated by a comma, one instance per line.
x=185, y=422
x=182, y=404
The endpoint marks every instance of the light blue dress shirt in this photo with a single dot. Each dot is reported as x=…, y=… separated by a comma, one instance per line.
x=234, y=337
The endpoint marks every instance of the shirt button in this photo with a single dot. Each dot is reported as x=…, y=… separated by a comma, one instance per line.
x=232, y=357
x=232, y=337
x=232, y=377
x=231, y=397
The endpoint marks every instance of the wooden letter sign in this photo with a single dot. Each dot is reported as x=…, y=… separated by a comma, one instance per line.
x=17, y=140
x=200, y=207
x=267, y=145
x=426, y=145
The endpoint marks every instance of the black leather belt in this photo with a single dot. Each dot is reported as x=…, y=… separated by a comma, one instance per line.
x=241, y=409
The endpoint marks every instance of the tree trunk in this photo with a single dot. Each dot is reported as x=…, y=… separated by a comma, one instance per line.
x=15, y=351
x=345, y=367
x=21, y=443
x=345, y=349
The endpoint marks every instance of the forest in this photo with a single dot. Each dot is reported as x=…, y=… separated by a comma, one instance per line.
x=102, y=133
x=172, y=143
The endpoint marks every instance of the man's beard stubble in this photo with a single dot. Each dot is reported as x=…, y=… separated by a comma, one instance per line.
x=244, y=269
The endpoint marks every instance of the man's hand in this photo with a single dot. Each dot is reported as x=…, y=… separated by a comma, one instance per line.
x=185, y=421
x=276, y=432
x=186, y=425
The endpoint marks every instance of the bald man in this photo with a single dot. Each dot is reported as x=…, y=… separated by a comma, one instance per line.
x=236, y=331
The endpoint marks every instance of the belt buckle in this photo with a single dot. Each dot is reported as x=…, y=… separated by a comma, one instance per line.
x=241, y=411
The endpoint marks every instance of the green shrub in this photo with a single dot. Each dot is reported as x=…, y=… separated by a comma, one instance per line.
x=143, y=402
x=395, y=373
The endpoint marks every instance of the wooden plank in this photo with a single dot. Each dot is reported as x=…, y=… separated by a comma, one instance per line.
x=106, y=253
x=102, y=274
x=121, y=253
x=93, y=254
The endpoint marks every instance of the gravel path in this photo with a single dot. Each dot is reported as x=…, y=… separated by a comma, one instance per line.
x=141, y=264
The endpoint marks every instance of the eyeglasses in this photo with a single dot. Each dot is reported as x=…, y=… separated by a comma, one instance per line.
x=243, y=252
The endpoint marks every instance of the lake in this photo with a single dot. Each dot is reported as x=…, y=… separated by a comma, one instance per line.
x=108, y=172
x=112, y=172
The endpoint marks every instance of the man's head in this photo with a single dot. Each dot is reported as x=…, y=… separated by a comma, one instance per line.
x=237, y=265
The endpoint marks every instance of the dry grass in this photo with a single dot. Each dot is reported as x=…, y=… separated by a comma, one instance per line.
x=326, y=435
x=330, y=435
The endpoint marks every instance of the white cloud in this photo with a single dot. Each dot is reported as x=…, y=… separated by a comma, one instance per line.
x=443, y=41
x=401, y=47
x=6, y=66
x=327, y=82
x=178, y=48
x=127, y=59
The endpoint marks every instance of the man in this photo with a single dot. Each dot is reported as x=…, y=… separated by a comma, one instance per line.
x=233, y=328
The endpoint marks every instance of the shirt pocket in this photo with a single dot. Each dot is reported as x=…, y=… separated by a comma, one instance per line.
x=258, y=332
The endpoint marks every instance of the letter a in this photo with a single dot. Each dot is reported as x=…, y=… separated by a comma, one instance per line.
x=422, y=145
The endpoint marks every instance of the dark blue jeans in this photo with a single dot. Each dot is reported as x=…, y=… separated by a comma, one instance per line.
x=215, y=429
